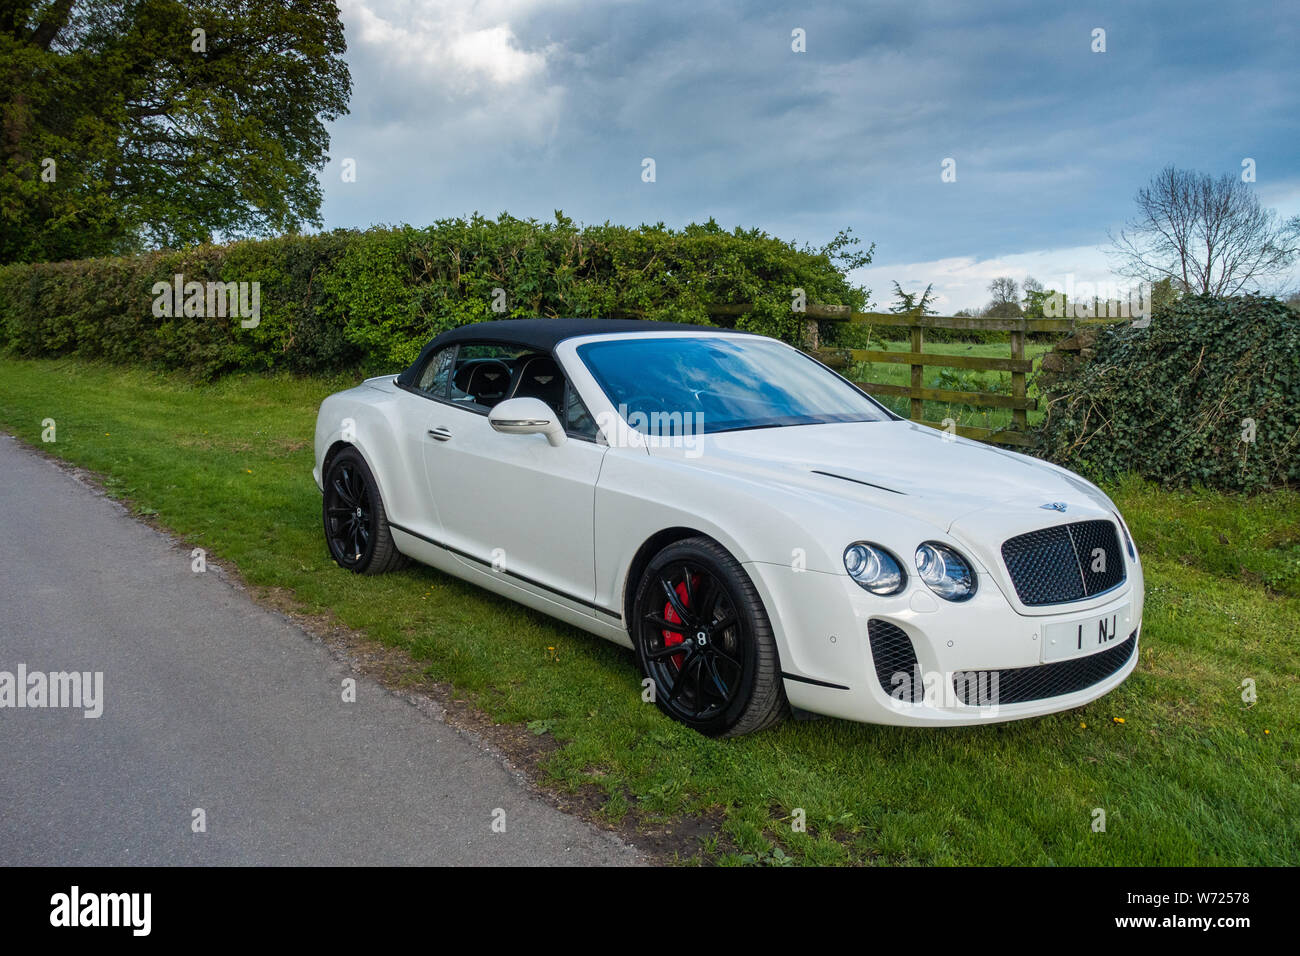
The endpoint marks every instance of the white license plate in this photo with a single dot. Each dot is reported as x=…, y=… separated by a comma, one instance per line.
x=1086, y=636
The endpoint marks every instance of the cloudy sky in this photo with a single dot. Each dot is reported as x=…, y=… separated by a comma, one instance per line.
x=529, y=107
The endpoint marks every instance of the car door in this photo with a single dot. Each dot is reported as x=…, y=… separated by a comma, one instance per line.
x=514, y=504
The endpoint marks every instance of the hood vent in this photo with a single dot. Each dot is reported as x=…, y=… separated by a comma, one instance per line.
x=859, y=481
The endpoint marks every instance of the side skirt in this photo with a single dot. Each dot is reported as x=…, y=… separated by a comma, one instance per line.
x=586, y=615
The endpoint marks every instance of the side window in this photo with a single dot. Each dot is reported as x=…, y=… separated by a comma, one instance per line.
x=577, y=420
x=482, y=374
x=437, y=373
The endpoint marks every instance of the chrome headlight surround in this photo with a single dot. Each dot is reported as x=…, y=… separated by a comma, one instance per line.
x=874, y=569
x=945, y=572
x=1128, y=539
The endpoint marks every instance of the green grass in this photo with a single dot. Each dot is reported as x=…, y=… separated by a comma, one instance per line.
x=1191, y=776
x=967, y=380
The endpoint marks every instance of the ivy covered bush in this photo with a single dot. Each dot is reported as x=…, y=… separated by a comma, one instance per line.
x=1208, y=393
x=367, y=300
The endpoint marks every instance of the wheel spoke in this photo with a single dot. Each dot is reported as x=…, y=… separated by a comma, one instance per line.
x=702, y=708
x=675, y=600
x=668, y=650
x=690, y=591
x=725, y=621
x=680, y=684
x=342, y=493
x=717, y=679
x=664, y=624
x=724, y=655
x=698, y=682
x=705, y=598
x=677, y=688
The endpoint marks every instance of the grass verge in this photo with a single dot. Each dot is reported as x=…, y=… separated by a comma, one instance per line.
x=1186, y=771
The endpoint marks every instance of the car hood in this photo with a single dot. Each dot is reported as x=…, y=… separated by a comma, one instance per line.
x=902, y=467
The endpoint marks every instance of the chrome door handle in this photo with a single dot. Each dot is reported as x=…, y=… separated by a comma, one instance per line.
x=439, y=434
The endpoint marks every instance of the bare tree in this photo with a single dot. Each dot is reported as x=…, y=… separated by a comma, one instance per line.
x=1207, y=235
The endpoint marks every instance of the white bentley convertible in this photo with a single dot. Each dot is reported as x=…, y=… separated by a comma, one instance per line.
x=761, y=532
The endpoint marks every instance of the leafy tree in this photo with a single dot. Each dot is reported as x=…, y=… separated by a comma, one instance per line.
x=1006, y=293
x=844, y=252
x=134, y=122
x=1035, y=297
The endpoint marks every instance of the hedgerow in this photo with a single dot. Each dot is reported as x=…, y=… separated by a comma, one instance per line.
x=1208, y=393
x=367, y=300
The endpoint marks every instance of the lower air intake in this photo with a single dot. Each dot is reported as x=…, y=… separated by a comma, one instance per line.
x=1018, y=685
x=895, y=660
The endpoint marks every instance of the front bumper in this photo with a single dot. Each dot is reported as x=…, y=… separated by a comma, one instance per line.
x=822, y=620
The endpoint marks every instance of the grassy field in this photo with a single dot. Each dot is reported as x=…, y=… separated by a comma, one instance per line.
x=1186, y=771
x=961, y=380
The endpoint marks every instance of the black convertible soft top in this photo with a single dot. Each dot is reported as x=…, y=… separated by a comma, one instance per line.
x=542, y=334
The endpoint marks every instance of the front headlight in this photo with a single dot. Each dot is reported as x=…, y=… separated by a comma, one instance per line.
x=945, y=572
x=874, y=568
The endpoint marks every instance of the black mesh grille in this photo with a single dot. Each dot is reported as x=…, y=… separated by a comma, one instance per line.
x=893, y=655
x=1068, y=562
x=1097, y=545
x=1019, y=684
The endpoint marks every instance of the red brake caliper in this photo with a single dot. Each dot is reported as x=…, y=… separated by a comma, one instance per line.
x=672, y=637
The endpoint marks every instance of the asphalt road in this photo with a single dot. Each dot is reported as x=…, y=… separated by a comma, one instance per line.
x=212, y=703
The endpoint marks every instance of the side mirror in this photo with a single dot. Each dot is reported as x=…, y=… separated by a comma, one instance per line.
x=527, y=416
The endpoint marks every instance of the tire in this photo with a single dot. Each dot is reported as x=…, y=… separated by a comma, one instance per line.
x=356, y=524
x=726, y=679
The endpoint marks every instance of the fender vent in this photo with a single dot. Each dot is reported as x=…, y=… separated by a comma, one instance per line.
x=895, y=660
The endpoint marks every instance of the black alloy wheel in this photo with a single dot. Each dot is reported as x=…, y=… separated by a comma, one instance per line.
x=703, y=638
x=356, y=525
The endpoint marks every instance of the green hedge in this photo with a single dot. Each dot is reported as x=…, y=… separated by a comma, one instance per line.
x=368, y=300
x=1208, y=393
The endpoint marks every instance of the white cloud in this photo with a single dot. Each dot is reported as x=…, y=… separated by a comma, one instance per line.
x=444, y=93
x=455, y=46
x=961, y=282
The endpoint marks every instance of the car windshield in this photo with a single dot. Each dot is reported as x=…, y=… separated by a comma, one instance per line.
x=707, y=383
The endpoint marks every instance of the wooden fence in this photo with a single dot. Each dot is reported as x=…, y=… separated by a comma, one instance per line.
x=915, y=326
